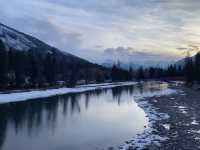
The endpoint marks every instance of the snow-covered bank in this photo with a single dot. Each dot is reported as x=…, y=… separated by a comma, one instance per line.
x=149, y=136
x=23, y=96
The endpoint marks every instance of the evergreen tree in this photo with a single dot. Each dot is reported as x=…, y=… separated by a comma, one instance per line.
x=151, y=72
x=180, y=71
x=3, y=65
x=48, y=69
x=189, y=69
x=11, y=70
x=19, y=69
x=114, y=73
x=33, y=71
x=54, y=65
x=99, y=77
x=130, y=73
x=87, y=74
x=197, y=67
x=73, y=76
x=140, y=74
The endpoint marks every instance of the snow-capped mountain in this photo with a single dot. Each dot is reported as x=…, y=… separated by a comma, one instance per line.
x=23, y=42
x=30, y=62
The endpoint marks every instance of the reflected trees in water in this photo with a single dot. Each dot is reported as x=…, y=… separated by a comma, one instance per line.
x=31, y=115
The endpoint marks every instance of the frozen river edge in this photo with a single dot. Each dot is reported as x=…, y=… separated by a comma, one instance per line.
x=30, y=95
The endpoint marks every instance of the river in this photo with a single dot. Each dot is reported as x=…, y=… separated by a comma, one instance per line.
x=81, y=121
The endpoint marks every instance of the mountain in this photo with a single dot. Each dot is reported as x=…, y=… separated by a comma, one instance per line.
x=181, y=62
x=27, y=60
x=23, y=42
x=137, y=65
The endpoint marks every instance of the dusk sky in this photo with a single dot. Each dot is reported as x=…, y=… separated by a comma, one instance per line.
x=126, y=30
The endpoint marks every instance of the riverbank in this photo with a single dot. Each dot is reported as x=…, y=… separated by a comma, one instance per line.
x=29, y=95
x=174, y=121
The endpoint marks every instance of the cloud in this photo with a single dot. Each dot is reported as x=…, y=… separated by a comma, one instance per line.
x=182, y=48
x=128, y=54
x=132, y=28
x=191, y=49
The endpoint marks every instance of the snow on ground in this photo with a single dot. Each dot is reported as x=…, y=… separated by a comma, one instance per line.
x=100, y=84
x=23, y=96
x=194, y=122
x=183, y=109
x=149, y=136
x=166, y=126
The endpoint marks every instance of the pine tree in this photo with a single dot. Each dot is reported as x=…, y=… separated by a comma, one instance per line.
x=130, y=73
x=197, y=67
x=47, y=68
x=189, y=69
x=33, y=68
x=179, y=71
x=140, y=74
x=53, y=68
x=11, y=70
x=152, y=72
x=19, y=69
x=3, y=65
x=99, y=77
x=114, y=73
x=73, y=76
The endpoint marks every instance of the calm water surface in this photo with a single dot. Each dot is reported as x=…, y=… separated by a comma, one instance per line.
x=84, y=121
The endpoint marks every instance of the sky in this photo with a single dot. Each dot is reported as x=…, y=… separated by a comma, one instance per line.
x=131, y=31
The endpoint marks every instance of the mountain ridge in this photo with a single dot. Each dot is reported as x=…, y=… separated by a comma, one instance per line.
x=8, y=33
x=26, y=60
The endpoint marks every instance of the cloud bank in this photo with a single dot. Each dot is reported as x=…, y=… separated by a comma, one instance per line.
x=130, y=29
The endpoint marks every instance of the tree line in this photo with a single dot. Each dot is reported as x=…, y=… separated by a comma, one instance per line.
x=33, y=69
x=189, y=72
x=170, y=73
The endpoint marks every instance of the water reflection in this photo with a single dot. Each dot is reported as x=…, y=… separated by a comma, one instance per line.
x=74, y=119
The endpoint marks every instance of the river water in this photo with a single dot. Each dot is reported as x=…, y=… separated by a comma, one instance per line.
x=83, y=121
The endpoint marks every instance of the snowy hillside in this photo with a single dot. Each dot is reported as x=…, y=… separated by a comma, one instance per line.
x=26, y=62
x=14, y=39
x=23, y=42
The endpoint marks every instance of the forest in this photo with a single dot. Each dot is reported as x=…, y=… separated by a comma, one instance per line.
x=33, y=69
x=28, y=69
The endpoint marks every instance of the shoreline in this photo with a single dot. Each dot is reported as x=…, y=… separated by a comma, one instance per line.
x=149, y=138
x=34, y=94
x=173, y=115
x=183, y=124
x=174, y=121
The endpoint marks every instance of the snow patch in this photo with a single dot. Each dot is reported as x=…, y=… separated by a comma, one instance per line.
x=23, y=96
x=182, y=109
x=149, y=136
x=194, y=131
x=194, y=122
x=166, y=126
